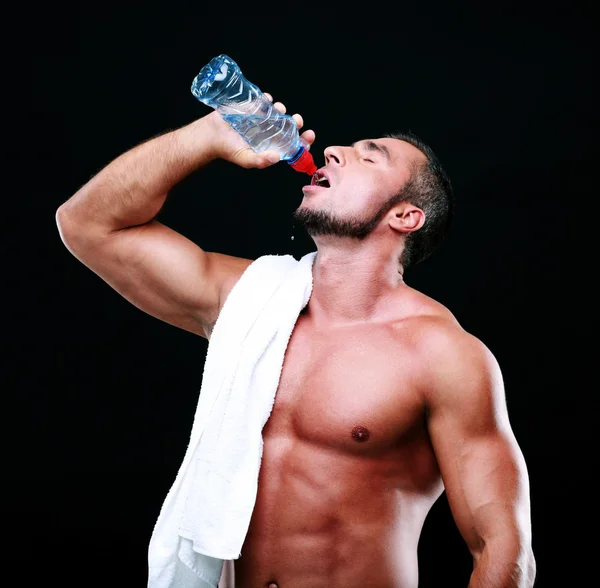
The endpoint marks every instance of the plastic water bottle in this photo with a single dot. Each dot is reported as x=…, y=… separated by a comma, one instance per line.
x=222, y=86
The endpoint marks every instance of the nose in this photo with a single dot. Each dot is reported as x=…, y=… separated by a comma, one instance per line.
x=334, y=155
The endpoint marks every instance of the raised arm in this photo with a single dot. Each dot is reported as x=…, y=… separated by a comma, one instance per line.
x=482, y=466
x=108, y=224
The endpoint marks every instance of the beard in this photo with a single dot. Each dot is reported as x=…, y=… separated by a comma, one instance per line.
x=319, y=222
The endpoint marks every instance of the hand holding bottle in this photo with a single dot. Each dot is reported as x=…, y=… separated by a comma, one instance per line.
x=230, y=146
x=221, y=85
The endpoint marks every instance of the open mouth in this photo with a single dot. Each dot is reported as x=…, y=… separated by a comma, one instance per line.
x=319, y=179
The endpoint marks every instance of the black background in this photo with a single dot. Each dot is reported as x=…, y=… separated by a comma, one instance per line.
x=100, y=397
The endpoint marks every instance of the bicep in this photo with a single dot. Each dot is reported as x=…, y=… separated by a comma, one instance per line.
x=482, y=466
x=162, y=273
x=485, y=481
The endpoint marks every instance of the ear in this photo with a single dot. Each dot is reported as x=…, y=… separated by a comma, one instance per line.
x=406, y=218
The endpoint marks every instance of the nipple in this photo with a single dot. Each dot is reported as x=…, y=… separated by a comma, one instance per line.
x=360, y=433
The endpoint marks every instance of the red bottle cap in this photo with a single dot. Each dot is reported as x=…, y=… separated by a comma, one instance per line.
x=305, y=163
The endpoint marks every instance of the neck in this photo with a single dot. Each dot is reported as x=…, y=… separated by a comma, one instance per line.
x=354, y=284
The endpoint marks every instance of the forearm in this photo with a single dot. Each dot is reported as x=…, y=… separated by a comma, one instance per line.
x=503, y=564
x=132, y=189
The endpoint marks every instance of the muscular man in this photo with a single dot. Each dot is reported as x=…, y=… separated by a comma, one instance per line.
x=384, y=400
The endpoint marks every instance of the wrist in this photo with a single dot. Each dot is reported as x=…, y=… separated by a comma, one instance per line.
x=202, y=137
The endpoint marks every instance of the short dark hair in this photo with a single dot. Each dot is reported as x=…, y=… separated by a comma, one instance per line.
x=429, y=189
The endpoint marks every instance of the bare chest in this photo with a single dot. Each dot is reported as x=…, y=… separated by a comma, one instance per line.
x=353, y=390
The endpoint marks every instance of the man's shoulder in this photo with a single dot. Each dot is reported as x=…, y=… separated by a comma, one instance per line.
x=440, y=342
x=425, y=317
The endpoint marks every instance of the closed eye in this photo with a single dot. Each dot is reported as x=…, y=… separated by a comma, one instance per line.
x=372, y=146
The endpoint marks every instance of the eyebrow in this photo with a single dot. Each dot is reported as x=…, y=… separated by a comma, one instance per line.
x=372, y=146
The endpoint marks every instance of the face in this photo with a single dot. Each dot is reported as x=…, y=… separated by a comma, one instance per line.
x=362, y=179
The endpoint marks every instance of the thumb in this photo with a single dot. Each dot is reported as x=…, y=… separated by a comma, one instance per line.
x=270, y=158
x=248, y=158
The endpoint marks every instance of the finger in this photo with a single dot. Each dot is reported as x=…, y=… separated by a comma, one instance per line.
x=307, y=139
x=268, y=96
x=299, y=120
x=308, y=136
x=280, y=106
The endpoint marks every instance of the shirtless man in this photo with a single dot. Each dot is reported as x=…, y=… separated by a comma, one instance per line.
x=384, y=400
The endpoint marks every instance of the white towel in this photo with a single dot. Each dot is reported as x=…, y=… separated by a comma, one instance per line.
x=205, y=517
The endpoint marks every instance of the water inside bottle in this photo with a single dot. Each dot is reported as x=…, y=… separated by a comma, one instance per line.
x=221, y=85
x=262, y=133
x=215, y=78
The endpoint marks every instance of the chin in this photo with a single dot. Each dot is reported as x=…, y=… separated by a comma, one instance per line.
x=306, y=203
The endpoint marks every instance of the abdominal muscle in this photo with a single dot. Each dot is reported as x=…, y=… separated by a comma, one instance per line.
x=328, y=519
